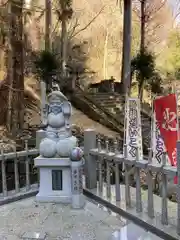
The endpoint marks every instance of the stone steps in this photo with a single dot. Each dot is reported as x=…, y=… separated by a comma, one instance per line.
x=115, y=105
x=112, y=103
x=107, y=97
x=96, y=112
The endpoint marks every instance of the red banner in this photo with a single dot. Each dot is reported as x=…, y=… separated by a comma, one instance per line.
x=166, y=115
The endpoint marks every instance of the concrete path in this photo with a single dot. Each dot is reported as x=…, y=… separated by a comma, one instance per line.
x=27, y=219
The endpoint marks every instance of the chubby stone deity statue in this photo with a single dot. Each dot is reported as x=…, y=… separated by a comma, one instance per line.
x=59, y=141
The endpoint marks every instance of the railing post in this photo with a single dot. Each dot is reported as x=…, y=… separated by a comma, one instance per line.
x=90, y=161
x=16, y=173
x=127, y=185
x=150, y=187
x=108, y=172
x=117, y=180
x=178, y=187
x=40, y=134
x=164, y=211
x=100, y=175
x=4, y=180
x=28, y=186
x=138, y=185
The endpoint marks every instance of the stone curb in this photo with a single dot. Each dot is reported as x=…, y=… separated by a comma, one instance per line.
x=135, y=219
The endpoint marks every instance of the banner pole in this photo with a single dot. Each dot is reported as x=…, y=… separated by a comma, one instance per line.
x=178, y=137
x=176, y=94
x=140, y=152
x=152, y=126
x=125, y=118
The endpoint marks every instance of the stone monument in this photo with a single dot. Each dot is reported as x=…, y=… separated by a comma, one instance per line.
x=55, y=149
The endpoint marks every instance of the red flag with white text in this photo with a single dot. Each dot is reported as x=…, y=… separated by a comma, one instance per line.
x=166, y=115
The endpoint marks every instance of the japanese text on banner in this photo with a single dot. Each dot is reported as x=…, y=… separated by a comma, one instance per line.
x=133, y=128
x=166, y=115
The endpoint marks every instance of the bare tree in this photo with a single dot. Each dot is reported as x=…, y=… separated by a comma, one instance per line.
x=48, y=25
x=9, y=67
x=176, y=11
x=17, y=66
x=152, y=17
x=126, y=55
x=64, y=13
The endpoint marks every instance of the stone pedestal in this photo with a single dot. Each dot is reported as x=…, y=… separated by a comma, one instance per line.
x=55, y=179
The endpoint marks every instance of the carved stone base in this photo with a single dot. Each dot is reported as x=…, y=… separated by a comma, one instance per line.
x=55, y=180
x=53, y=199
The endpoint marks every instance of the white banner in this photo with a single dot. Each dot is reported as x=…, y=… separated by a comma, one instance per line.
x=133, y=132
x=157, y=143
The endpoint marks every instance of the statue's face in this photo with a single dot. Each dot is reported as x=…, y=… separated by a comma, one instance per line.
x=55, y=108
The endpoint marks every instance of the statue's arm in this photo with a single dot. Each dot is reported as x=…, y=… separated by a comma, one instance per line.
x=45, y=115
x=67, y=111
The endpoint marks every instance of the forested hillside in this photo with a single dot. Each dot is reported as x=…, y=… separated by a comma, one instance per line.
x=93, y=47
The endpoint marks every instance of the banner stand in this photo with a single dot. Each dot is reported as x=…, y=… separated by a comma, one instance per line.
x=178, y=133
x=133, y=133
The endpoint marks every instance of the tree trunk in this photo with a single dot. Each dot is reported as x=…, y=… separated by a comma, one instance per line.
x=143, y=25
x=48, y=25
x=142, y=45
x=17, y=67
x=105, y=55
x=45, y=87
x=126, y=56
x=9, y=70
x=63, y=46
x=140, y=89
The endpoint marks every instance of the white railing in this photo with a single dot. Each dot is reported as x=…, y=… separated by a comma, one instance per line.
x=5, y=159
x=99, y=163
x=98, y=167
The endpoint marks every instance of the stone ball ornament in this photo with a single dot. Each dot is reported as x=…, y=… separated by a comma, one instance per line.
x=47, y=148
x=65, y=146
x=76, y=154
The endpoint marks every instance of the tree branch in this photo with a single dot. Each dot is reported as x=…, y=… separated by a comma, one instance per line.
x=55, y=27
x=154, y=11
x=85, y=27
x=150, y=14
x=71, y=32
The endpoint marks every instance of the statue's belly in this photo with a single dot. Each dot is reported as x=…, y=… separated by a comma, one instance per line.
x=56, y=120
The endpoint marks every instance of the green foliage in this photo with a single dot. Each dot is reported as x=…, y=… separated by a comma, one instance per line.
x=67, y=3
x=143, y=64
x=177, y=73
x=46, y=65
x=169, y=59
x=155, y=83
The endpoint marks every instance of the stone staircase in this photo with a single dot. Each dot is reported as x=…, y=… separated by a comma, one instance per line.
x=114, y=103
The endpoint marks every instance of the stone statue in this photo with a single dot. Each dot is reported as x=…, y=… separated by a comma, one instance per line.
x=59, y=141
